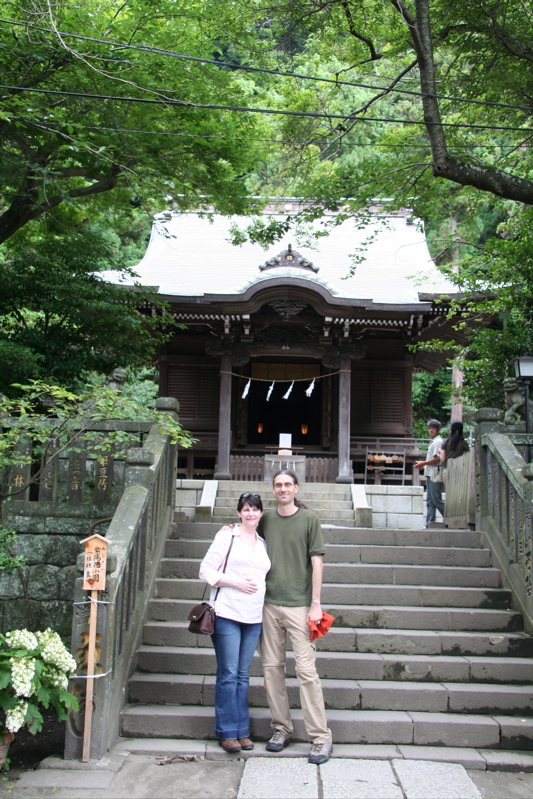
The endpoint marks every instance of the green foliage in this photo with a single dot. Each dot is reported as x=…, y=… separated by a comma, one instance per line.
x=140, y=385
x=34, y=669
x=8, y=559
x=60, y=316
x=99, y=110
x=58, y=420
x=431, y=399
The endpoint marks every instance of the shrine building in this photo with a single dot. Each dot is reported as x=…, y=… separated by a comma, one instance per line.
x=255, y=321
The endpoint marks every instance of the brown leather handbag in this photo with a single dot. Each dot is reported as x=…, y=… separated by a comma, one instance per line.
x=202, y=619
x=202, y=616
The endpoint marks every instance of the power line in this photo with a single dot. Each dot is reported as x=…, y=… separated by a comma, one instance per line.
x=246, y=109
x=288, y=141
x=278, y=73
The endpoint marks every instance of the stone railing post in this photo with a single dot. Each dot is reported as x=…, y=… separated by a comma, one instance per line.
x=488, y=420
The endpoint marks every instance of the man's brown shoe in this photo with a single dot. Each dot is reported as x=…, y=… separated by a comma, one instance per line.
x=246, y=743
x=230, y=745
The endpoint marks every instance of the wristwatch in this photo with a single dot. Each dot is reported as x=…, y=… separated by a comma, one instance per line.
x=316, y=601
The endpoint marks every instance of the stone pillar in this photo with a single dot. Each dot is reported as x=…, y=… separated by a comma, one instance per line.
x=224, y=420
x=345, y=380
x=488, y=420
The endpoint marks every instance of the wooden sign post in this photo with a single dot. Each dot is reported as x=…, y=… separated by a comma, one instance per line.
x=94, y=570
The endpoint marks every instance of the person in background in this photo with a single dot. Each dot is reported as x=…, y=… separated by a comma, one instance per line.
x=455, y=445
x=239, y=611
x=431, y=465
x=296, y=549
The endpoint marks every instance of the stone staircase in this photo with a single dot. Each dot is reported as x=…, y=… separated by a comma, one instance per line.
x=332, y=502
x=426, y=648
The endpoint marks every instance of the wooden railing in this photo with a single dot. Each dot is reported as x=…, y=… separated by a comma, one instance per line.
x=505, y=504
x=321, y=470
x=137, y=533
x=247, y=467
x=251, y=468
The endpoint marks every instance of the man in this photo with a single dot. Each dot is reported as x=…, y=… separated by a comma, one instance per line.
x=293, y=586
x=434, y=499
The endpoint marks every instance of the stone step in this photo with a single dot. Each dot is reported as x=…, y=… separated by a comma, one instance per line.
x=348, y=726
x=349, y=639
x=401, y=538
x=367, y=573
x=374, y=594
x=355, y=553
x=415, y=556
x=352, y=666
x=445, y=697
x=362, y=536
x=226, y=504
x=234, y=488
x=222, y=513
x=390, y=617
x=327, y=518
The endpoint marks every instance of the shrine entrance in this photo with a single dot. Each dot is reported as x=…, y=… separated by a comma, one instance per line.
x=299, y=414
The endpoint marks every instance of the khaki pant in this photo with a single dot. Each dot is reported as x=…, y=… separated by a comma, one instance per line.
x=278, y=620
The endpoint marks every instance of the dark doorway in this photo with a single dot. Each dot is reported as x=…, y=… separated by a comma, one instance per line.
x=298, y=415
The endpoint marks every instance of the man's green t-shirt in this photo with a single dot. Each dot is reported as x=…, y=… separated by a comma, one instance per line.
x=291, y=542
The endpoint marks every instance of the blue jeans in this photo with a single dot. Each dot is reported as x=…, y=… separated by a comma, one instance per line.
x=235, y=644
x=434, y=501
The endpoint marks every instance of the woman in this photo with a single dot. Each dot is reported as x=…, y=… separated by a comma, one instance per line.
x=455, y=445
x=239, y=610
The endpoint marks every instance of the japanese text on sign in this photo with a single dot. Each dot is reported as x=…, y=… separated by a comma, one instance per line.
x=94, y=568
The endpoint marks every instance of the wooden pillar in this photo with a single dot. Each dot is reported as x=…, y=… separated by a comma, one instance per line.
x=224, y=420
x=345, y=465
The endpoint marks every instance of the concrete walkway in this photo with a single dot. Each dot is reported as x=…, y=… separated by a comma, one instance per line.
x=134, y=771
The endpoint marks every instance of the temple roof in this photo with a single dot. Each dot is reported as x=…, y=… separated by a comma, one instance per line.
x=191, y=256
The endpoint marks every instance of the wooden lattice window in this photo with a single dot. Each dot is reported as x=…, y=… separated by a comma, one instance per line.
x=197, y=389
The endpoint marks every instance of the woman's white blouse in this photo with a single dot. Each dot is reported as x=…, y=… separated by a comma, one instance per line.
x=242, y=562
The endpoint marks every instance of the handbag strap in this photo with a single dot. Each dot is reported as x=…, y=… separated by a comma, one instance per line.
x=223, y=570
x=225, y=564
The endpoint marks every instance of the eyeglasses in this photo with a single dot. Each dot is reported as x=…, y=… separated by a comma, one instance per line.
x=247, y=495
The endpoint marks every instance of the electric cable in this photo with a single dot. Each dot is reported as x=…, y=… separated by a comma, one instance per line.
x=251, y=110
x=279, y=73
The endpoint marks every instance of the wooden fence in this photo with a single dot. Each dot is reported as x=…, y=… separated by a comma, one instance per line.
x=251, y=468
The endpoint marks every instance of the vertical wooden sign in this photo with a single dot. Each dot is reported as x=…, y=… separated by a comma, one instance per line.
x=94, y=571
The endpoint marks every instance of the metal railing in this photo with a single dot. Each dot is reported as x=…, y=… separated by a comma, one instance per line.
x=137, y=533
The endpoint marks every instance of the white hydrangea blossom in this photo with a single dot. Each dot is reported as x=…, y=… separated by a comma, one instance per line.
x=22, y=673
x=55, y=677
x=54, y=651
x=21, y=639
x=15, y=716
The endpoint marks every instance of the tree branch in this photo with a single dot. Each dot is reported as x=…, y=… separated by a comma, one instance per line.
x=24, y=208
x=374, y=55
x=483, y=177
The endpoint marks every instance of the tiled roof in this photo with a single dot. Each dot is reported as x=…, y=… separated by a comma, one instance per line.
x=189, y=255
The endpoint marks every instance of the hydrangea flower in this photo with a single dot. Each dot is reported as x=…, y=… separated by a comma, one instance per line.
x=15, y=716
x=34, y=670
x=22, y=674
x=22, y=639
x=54, y=651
